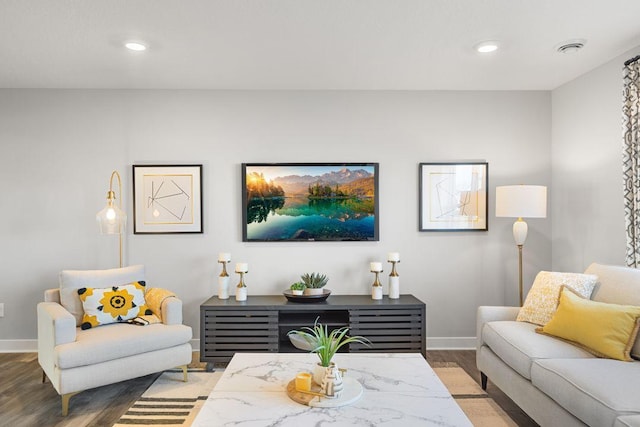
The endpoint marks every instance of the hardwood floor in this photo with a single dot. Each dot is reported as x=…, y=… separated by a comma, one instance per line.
x=25, y=401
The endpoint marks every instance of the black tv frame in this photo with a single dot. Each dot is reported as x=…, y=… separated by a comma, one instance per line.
x=352, y=165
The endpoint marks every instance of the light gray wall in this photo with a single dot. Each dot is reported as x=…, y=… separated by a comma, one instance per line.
x=586, y=198
x=60, y=146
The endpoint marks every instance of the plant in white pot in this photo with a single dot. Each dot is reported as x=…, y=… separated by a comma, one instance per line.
x=325, y=344
x=297, y=288
x=314, y=283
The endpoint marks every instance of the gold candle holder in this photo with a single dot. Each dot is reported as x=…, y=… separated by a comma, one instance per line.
x=241, y=283
x=224, y=273
x=376, y=281
x=394, y=273
x=241, y=288
x=223, y=281
x=394, y=281
x=376, y=288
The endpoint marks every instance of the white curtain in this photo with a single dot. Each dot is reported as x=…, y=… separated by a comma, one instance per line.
x=631, y=158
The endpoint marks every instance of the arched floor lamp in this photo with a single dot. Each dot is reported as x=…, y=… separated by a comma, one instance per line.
x=521, y=201
x=112, y=219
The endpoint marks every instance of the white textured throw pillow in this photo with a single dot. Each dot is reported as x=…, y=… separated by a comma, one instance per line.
x=542, y=299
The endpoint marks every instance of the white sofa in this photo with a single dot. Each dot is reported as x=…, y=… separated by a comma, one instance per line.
x=553, y=381
x=74, y=359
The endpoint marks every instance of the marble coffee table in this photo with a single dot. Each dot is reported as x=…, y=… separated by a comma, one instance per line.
x=400, y=389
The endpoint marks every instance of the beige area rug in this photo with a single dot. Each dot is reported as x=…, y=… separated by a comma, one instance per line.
x=171, y=402
x=476, y=404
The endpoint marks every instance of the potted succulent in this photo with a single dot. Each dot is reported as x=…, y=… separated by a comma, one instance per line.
x=325, y=344
x=297, y=288
x=314, y=283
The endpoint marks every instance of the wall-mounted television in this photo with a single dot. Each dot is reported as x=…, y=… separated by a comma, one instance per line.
x=284, y=202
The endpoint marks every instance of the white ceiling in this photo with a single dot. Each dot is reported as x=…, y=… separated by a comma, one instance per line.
x=308, y=44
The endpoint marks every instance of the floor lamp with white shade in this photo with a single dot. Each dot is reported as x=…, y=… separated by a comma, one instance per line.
x=521, y=201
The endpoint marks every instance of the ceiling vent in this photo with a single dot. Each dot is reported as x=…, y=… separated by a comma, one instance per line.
x=571, y=46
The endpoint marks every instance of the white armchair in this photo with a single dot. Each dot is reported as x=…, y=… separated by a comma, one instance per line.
x=75, y=360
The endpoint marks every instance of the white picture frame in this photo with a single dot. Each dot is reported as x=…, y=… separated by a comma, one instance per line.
x=454, y=196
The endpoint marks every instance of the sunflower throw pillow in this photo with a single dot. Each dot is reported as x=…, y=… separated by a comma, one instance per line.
x=110, y=305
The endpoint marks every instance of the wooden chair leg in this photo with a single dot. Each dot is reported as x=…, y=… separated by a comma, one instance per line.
x=184, y=373
x=65, y=403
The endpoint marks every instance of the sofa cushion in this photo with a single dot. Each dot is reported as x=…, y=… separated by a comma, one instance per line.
x=518, y=345
x=72, y=280
x=606, y=330
x=617, y=285
x=596, y=391
x=627, y=421
x=116, y=341
x=542, y=299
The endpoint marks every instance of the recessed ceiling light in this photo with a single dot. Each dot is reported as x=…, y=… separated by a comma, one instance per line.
x=487, y=46
x=571, y=46
x=135, y=46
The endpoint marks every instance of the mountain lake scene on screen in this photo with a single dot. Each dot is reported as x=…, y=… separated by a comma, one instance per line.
x=310, y=202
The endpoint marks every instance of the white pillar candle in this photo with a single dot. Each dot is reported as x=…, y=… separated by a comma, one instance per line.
x=224, y=257
x=393, y=256
x=376, y=266
x=242, y=267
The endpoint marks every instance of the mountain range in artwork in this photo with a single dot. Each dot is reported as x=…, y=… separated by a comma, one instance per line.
x=344, y=183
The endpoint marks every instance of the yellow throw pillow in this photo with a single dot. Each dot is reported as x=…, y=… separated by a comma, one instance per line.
x=542, y=299
x=606, y=330
x=110, y=305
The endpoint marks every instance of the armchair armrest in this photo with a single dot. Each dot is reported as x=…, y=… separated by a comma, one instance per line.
x=172, y=311
x=52, y=295
x=490, y=314
x=55, y=324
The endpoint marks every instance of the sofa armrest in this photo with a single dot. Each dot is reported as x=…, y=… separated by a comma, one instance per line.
x=172, y=311
x=490, y=314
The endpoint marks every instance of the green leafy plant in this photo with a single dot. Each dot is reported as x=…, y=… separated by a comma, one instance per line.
x=314, y=280
x=325, y=344
x=298, y=286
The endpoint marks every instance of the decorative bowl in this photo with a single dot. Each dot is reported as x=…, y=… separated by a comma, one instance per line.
x=307, y=298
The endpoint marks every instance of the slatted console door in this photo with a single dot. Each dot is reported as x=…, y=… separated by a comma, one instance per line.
x=390, y=329
x=261, y=323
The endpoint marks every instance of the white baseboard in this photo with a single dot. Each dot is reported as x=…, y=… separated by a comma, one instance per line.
x=451, y=343
x=18, y=346
x=433, y=343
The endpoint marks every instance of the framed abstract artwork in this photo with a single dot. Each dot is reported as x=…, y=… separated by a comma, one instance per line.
x=284, y=202
x=454, y=196
x=167, y=199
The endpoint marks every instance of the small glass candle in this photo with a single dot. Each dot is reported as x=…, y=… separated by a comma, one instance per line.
x=303, y=381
